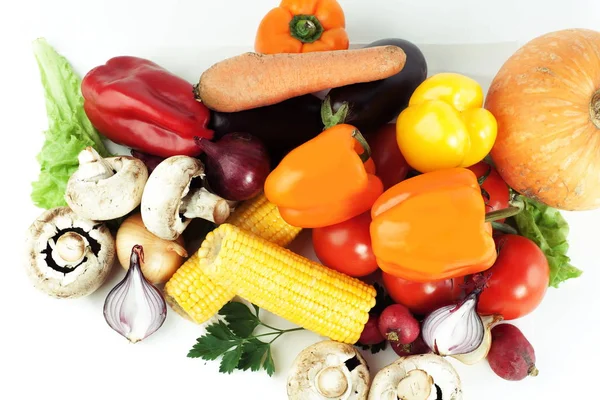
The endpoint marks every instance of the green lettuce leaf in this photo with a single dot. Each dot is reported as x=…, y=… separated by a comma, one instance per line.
x=549, y=230
x=69, y=129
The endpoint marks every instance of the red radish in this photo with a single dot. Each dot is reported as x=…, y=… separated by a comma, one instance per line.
x=511, y=356
x=417, y=347
x=237, y=165
x=397, y=324
x=370, y=334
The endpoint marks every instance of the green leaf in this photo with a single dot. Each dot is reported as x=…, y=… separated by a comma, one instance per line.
x=549, y=230
x=217, y=341
x=269, y=364
x=69, y=130
x=253, y=355
x=382, y=299
x=230, y=360
x=373, y=348
x=240, y=318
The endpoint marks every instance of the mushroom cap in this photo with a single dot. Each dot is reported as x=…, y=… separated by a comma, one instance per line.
x=385, y=383
x=168, y=184
x=108, y=198
x=329, y=370
x=88, y=275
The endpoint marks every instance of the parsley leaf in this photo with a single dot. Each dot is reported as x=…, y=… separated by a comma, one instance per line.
x=217, y=341
x=374, y=348
x=234, y=342
x=230, y=360
x=241, y=320
x=253, y=355
x=269, y=364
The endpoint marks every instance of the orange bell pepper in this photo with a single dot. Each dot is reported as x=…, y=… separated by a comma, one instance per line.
x=302, y=26
x=325, y=181
x=432, y=227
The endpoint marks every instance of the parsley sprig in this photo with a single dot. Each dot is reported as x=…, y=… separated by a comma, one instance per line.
x=234, y=341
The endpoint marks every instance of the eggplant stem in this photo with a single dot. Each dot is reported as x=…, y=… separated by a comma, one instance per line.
x=329, y=118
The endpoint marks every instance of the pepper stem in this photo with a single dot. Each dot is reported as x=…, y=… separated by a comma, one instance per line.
x=306, y=28
x=330, y=118
x=503, y=213
x=504, y=228
x=595, y=108
x=366, y=154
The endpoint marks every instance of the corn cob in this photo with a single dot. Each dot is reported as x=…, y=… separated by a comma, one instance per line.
x=295, y=288
x=192, y=294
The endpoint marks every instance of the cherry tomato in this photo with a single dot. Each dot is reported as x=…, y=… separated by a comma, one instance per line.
x=389, y=162
x=346, y=247
x=519, y=279
x=423, y=297
x=494, y=186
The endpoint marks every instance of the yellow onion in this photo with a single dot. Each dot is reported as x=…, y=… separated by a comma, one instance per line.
x=162, y=257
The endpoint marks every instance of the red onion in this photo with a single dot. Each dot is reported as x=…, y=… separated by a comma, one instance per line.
x=135, y=308
x=454, y=329
x=237, y=165
x=148, y=159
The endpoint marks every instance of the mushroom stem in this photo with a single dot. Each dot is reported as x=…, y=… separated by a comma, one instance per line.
x=331, y=382
x=92, y=166
x=71, y=247
x=200, y=203
x=416, y=385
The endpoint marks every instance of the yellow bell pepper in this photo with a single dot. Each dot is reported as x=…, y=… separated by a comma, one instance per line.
x=444, y=125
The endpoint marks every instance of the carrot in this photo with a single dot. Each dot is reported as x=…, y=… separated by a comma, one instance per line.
x=253, y=80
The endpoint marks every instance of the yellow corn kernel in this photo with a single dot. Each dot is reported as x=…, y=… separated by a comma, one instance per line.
x=295, y=288
x=262, y=218
x=192, y=294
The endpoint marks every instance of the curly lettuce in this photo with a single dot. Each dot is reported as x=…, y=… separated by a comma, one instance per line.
x=549, y=230
x=69, y=130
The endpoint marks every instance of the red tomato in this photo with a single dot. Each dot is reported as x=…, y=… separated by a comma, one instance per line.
x=519, y=279
x=495, y=187
x=389, y=162
x=422, y=297
x=346, y=247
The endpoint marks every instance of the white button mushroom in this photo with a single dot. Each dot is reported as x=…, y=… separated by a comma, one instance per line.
x=105, y=188
x=418, y=377
x=68, y=256
x=329, y=370
x=168, y=203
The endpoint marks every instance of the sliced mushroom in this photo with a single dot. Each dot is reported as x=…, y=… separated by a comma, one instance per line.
x=168, y=203
x=418, y=377
x=329, y=370
x=105, y=188
x=68, y=256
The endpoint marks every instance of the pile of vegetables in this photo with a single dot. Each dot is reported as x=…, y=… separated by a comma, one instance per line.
x=435, y=215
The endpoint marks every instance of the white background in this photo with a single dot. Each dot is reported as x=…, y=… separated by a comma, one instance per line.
x=64, y=350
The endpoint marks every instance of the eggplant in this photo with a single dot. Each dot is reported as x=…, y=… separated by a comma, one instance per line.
x=282, y=126
x=370, y=105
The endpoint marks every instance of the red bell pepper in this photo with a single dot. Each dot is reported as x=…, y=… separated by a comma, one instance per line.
x=135, y=102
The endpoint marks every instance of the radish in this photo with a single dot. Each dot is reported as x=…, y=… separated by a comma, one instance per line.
x=417, y=347
x=370, y=334
x=511, y=356
x=397, y=324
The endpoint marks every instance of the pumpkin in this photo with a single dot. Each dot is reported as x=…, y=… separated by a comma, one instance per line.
x=546, y=99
